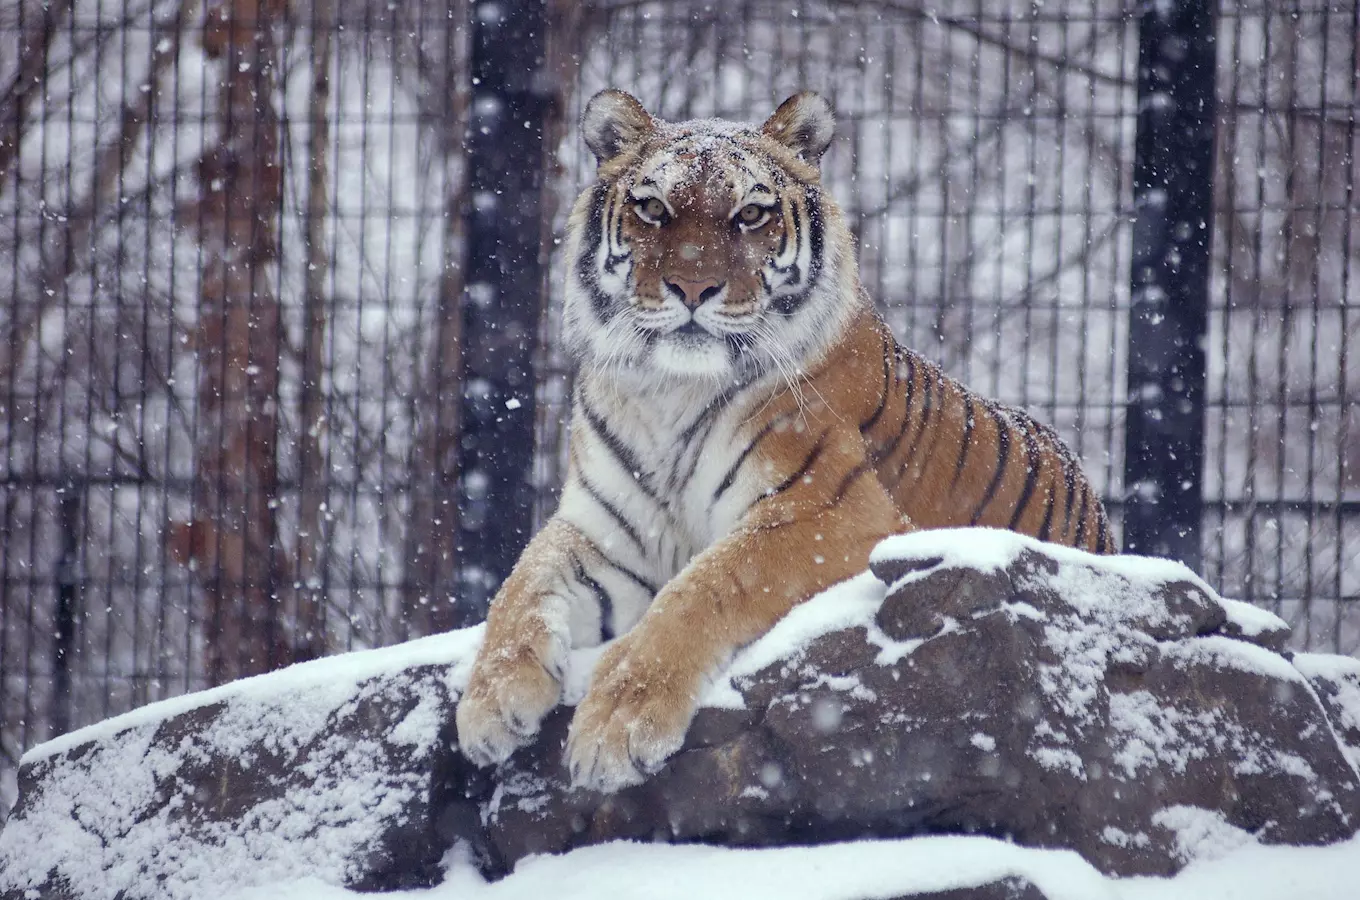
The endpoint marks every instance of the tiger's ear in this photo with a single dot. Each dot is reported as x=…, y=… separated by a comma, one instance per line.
x=805, y=124
x=613, y=120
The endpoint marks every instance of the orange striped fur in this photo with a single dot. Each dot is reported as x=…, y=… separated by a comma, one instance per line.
x=745, y=430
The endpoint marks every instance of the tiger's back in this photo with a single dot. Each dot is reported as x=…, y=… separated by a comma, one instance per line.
x=950, y=457
x=744, y=430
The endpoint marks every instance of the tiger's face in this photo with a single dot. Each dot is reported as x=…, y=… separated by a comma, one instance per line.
x=705, y=249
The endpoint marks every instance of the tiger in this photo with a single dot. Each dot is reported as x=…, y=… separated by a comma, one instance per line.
x=744, y=429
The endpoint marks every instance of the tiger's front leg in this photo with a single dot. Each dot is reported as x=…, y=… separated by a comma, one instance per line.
x=517, y=676
x=796, y=540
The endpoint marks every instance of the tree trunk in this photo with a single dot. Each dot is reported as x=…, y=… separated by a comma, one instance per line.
x=230, y=540
x=430, y=545
x=70, y=251
x=312, y=536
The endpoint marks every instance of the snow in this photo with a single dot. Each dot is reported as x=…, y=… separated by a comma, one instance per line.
x=1218, y=651
x=303, y=692
x=1331, y=667
x=986, y=549
x=1238, y=869
x=993, y=549
x=1156, y=734
x=850, y=604
x=1107, y=598
x=1202, y=834
x=1252, y=621
x=1342, y=674
x=984, y=742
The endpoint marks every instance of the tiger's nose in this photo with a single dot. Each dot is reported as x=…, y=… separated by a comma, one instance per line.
x=693, y=291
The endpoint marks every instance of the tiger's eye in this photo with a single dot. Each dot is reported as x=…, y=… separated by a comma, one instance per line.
x=751, y=213
x=652, y=208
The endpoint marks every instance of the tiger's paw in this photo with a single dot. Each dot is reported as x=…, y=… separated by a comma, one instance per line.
x=632, y=719
x=509, y=693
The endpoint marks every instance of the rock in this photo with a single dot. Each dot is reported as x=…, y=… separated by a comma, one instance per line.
x=327, y=768
x=1112, y=706
x=1337, y=682
x=1002, y=889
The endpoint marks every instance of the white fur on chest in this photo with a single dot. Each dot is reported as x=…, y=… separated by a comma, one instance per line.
x=685, y=442
x=655, y=478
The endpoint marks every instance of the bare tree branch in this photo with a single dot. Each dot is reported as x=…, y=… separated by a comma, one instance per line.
x=28, y=82
x=73, y=245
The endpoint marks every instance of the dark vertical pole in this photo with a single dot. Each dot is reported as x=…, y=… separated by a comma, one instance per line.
x=68, y=580
x=503, y=297
x=1172, y=195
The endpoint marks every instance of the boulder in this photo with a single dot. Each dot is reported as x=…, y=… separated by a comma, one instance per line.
x=976, y=682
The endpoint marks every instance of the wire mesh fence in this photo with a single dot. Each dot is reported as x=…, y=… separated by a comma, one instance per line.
x=235, y=296
x=1282, y=474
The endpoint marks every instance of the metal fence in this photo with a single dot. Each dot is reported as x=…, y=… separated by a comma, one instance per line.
x=267, y=289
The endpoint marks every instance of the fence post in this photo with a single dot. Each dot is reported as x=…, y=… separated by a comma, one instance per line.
x=504, y=278
x=1172, y=197
x=69, y=578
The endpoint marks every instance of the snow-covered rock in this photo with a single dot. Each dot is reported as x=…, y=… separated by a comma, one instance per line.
x=976, y=683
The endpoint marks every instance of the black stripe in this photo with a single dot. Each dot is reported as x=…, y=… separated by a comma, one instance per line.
x=678, y=484
x=794, y=229
x=788, y=304
x=624, y=525
x=1070, y=483
x=1078, y=540
x=967, y=440
x=1106, y=540
x=906, y=415
x=707, y=415
x=931, y=378
x=602, y=303
x=803, y=469
x=621, y=452
x=1031, y=477
x=887, y=385
x=1046, y=528
x=628, y=573
x=850, y=478
x=731, y=475
x=1103, y=537
x=1003, y=439
x=707, y=419
x=615, y=213
x=817, y=235
x=602, y=596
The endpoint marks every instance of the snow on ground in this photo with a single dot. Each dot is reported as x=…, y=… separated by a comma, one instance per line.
x=870, y=870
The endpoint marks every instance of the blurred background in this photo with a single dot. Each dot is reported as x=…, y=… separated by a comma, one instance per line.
x=279, y=368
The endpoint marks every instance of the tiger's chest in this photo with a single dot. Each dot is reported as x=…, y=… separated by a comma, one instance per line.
x=671, y=465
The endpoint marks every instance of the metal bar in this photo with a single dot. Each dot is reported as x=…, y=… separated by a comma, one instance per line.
x=69, y=581
x=1172, y=193
x=506, y=175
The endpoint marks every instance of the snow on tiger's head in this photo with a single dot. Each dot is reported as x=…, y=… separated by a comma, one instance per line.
x=706, y=250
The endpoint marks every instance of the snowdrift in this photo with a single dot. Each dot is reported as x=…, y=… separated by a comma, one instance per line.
x=1103, y=717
